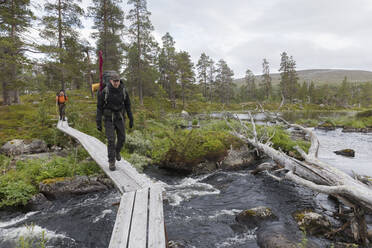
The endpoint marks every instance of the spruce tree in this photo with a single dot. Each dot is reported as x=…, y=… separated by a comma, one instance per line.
x=224, y=81
x=109, y=22
x=15, y=17
x=143, y=43
x=185, y=73
x=266, y=79
x=250, y=85
x=60, y=23
x=202, y=67
x=168, y=66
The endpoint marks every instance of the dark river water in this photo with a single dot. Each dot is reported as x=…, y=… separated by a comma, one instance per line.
x=199, y=211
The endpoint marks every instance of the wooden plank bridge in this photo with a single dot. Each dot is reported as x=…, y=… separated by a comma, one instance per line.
x=140, y=219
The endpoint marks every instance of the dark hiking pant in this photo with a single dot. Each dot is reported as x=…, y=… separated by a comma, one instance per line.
x=61, y=108
x=115, y=133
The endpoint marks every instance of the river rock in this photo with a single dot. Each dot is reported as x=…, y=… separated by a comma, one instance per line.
x=175, y=244
x=18, y=146
x=266, y=166
x=369, y=234
x=313, y=223
x=255, y=216
x=344, y=245
x=346, y=152
x=327, y=126
x=38, y=202
x=60, y=187
x=275, y=235
x=238, y=159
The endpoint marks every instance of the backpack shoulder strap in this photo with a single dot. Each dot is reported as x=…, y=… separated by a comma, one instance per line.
x=106, y=92
x=124, y=95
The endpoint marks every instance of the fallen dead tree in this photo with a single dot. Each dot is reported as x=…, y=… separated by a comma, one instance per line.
x=315, y=174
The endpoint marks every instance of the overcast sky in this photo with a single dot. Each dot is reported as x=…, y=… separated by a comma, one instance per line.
x=319, y=34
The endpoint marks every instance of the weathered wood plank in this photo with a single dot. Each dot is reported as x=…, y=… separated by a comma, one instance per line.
x=138, y=232
x=156, y=230
x=126, y=178
x=120, y=233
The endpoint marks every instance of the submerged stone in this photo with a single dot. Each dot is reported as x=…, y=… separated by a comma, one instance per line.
x=312, y=223
x=346, y=152
x=255, y=216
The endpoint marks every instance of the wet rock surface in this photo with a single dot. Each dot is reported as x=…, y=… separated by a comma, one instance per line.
x=313, y=223
x=239, y=159
x=64, y=187
x=346, y=152
x=38, y=202
x=276, y=235
x=255, y=216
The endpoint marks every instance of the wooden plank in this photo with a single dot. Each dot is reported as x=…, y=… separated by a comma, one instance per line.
x=126, y=178
x=156, y=218
x=137, y=237
x=120, y=233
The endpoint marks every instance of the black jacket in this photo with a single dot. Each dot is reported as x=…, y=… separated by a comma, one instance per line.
x=115, y=103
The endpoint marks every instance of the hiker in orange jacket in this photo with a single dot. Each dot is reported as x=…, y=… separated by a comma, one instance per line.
x=61, y=99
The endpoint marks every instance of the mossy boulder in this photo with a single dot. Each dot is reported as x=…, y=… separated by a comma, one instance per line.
x=312, y=223
x=62, y=187
x=237, y=159
x=346, y=152
x=327, y=126
x=18, y=146
x=255, y=216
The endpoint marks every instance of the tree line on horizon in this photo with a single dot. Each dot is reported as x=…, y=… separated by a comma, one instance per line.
x=147, y=67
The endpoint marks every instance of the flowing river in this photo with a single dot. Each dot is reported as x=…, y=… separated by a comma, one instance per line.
x=199, y=210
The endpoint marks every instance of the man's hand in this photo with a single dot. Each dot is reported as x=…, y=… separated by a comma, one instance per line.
x=131, y=123
x=99, y=128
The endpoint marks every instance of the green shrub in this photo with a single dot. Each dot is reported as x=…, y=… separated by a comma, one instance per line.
x=139, y=161
x=15, y=192
x=136, y=142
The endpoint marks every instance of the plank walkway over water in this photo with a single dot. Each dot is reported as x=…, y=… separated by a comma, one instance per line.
x=140, y=219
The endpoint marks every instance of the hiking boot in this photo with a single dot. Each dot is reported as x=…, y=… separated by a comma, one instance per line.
x=118, y=157
x=112, y=166
x=64, y=119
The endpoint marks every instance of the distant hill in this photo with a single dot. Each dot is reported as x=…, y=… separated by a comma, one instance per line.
x=321, y=76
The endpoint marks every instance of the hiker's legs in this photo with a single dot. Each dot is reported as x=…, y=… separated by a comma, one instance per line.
x=62, y=111
x=120, y=132
x=110, y=134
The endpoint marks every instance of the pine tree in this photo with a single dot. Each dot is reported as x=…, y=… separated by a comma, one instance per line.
x=168, y=66
x=59, y=26
x=202, y=67
x=289, y=78
x=344, y=93
x=224, y=81
x=266, y=79
x=142, y=41
x=211, y=71
x=109, y=22
x=250, y=85
x=185, y=73
x=15, y=17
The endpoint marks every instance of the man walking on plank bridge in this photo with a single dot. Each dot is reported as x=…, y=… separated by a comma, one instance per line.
x=113, y=101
